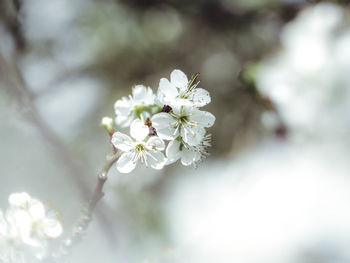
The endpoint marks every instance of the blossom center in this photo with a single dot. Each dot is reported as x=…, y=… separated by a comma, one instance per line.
x=138, y=109
x=183, y=95
x=140, y=147
x=183, y=119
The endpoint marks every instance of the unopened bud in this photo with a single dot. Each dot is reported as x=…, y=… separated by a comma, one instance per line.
x=107, y=123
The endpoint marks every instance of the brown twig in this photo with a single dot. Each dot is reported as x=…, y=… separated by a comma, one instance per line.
x=84, y=220
x=101, y=179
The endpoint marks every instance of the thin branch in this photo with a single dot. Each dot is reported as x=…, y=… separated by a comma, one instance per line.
x=84, y=220
x=9, y=15
x=101, y=179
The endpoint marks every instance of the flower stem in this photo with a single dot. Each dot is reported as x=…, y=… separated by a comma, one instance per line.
x=80, y=228
x=101, y=179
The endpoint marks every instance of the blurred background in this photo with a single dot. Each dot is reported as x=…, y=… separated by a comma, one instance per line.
x=276, y=188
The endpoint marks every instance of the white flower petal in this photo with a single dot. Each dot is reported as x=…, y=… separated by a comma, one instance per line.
x=124, y=121
x=156, y=159
x=166, y=89
x=139, y=130
x=188, y=157
x=200, y=97
x=179, y=79
x=123, y=106
x=202, y=118
x=173, y=152
x=181, y=110
x=164, y=124
x=167, y=133
x=37, y=210
x=21, y=221
x=155, y=143
x=122, y=141
x=142, y=94
x=192, y=135
x=179, y=102
x=126, y=162
x=51, y=227
x=19, y=199
x=33, y=241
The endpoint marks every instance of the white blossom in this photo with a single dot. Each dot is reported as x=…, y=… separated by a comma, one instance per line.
x=25, y=228
x=10, y=243
x=139, y=104
x=171, y=115
x=139, y=147
x=180, y=91
x=187, y=122
x=189, y=155
x=309, y=76
x=34, y=224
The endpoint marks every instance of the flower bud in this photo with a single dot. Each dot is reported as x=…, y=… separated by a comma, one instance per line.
x=107, y=123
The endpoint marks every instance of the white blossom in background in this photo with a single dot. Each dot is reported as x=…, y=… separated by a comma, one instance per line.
x=10, y=242
x=173, y=116
x=308, y=79
x=139, y=104
x=180, y=91
x=274, y=203
x=139, y=147
x=26, y=228
x=34, y=224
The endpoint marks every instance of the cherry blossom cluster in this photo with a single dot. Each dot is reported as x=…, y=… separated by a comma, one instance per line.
x=25, y=229
x=172, y=114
